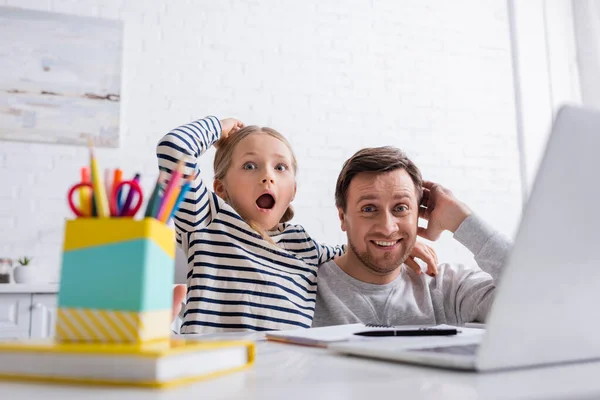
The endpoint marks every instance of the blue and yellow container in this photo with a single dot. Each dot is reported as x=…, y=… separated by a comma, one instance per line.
x=116, y=281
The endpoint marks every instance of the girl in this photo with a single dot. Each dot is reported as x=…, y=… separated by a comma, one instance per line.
x=248, y=268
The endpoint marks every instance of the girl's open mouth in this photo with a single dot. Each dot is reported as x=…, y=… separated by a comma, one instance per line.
x=265, y=201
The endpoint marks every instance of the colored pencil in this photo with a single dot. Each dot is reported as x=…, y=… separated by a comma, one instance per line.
x=100, y=198
x=171, y=192
x=117, y=178
x=166, y=212
x=184, y=189
x=108, y=177
x=94, y=209
x=154, y=197
x=159, y=195
x=85, y=194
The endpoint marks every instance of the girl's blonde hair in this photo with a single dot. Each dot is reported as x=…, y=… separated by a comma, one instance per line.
x=224, y=156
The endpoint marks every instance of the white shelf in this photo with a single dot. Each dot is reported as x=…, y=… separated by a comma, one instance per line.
x=29, y=287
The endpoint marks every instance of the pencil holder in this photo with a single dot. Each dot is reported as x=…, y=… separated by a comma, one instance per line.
x=116, y=281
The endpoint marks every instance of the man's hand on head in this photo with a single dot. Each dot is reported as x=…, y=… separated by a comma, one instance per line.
x=441, y=210
x=425, y=253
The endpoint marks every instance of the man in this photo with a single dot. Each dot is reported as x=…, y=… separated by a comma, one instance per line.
x=380, y=195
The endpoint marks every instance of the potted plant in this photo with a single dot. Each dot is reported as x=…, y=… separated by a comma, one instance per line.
x=24, y=272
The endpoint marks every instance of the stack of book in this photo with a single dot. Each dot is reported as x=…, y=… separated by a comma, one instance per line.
x=159, y=364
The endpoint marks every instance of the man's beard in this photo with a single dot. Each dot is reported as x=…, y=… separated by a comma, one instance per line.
x=380, y=269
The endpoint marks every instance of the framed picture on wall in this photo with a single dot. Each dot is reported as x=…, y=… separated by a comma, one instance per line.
x=60, y=78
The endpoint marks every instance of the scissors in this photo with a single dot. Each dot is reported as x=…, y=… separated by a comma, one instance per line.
x=117, y=208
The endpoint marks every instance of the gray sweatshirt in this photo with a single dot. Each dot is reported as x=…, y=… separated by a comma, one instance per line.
x=457, y=295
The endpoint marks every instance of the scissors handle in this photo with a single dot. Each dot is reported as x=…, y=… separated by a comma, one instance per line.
x=75, y=188
x=134, y=187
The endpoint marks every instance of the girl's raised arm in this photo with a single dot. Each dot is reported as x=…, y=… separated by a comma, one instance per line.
x=187, y=143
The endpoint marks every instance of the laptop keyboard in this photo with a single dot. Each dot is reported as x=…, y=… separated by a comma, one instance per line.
x=467, y=349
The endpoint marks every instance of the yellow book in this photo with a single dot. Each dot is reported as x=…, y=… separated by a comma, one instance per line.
x=159, y=364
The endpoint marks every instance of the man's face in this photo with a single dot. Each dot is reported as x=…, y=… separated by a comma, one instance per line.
x=381, y=219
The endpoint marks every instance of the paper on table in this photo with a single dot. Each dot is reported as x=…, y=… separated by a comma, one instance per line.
x=326, y=336
x=319, y=337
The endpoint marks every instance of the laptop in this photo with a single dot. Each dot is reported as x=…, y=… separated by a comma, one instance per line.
x=546, y=306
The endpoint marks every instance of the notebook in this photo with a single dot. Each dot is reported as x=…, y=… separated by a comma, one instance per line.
x=326, y=337
x=159, y=364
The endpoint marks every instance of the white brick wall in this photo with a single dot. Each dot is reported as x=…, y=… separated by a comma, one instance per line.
x=432, y=77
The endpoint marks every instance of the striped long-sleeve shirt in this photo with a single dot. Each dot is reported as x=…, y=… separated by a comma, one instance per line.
x=237, y=280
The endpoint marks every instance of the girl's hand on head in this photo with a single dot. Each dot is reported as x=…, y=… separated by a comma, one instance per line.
x=229, y=126
x=425, y=253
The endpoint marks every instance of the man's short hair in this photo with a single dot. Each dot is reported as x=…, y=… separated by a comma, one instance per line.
x=379, y=160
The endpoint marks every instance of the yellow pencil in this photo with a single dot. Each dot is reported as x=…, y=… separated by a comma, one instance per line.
x=100, y=197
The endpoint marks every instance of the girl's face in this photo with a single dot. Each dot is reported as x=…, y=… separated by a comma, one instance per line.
x=260, y=183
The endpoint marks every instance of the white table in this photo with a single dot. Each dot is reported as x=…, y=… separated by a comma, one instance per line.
x=286, y=372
